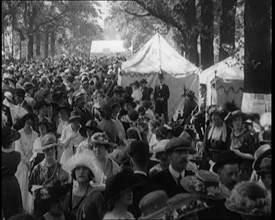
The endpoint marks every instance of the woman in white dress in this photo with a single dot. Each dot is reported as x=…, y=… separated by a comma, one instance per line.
x=24, y=146
x=71, y=137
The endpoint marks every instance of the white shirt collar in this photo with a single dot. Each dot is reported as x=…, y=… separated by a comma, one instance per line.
x=174, y=173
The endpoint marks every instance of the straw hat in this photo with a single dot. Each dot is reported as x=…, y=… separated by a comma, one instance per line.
x=249, y=199
x=48, y=141
x=153, y=205
x=101, y=138
x=205, y=184
x=74, y=116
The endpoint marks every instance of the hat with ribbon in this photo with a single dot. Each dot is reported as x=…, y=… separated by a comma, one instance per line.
x=205, y=184
x=74, y=116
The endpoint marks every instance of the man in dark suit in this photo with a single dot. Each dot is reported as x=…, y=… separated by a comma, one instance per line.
x=161, y=96
x=178, y=150
x=146, y=91
x=139, y=157
x=20, y=100
x=82, y=110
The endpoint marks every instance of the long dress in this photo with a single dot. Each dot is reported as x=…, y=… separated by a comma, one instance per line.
x=24, y=146
x=71, y=147
x=11, y=193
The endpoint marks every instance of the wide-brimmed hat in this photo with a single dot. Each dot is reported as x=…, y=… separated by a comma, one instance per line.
x=143, y=81
x=101, y=138
x=184, y=204
x=82, y=159
x=120, y=183
x=139, y=150
x=118, y=89
x=262, y=152
x=249, y=199
x=265, y=166
x=182, y=142
x=21, y=122
x=39, y=104
x=74, y=116
x=205, y=184
x=92, y=125
x=226, y=157
x=153, y=205
x=9, y=135
x=46, y=122
x=48, y=141
x=28, y=86
x=237, y=113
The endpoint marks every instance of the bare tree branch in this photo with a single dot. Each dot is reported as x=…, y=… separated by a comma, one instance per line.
x=137, y=15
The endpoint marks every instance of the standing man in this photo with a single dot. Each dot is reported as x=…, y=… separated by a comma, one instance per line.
x=146, y=91
x=161, y=96
x=178, y=150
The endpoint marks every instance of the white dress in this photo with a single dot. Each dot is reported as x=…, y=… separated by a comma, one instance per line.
x=24, y=146
x=69, y=148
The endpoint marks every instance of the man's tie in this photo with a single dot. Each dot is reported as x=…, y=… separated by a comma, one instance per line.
x=179, y=179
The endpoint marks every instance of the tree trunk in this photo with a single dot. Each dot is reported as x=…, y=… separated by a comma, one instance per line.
x=257, y=58
x=52, y=43
x=38, y=44
x=46, y=43
x=192, y=50
x=207, y=33
x=30, y=47
x=227, y=27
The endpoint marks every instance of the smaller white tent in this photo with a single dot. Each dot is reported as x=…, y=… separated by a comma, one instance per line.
x=108, y=47
x=155, y=57
x=224, y=82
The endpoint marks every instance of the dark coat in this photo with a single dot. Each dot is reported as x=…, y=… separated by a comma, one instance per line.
x=27, y=107
x=146, y=186
x=146, y=93
x=161, y=97
x=168, y=184
x=7, y=112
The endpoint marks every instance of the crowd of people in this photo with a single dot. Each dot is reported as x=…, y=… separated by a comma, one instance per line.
x=75, y=145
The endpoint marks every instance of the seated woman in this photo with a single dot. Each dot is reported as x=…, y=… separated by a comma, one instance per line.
x=84, y=201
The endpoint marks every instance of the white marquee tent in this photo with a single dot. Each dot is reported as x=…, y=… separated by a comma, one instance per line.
x=224, y=82
x=158, y=56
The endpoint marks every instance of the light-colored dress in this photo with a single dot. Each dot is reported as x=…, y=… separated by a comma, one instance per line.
x=72, y=145
x=24, y=146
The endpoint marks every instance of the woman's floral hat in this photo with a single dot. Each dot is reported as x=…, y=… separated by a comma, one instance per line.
x=249, y=198
x=205, y=184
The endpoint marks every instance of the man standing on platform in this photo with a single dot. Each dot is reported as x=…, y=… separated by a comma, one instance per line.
x=161, y=96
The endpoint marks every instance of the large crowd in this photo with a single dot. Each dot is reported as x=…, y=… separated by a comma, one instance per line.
x=75, y=145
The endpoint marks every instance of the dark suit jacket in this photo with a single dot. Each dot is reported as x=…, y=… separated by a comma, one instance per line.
x=161, y=97
x=85, y=115
x=146, y=185
x=168, y=184
x=146, y=93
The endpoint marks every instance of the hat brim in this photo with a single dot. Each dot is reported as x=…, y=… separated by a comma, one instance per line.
x=41, y=149
x=83, y=130
x=105, y=143
x=188, y=183
x=190, y=149
x=237, y=210
x=155, y=214
x=74, y=118
x=256, y=163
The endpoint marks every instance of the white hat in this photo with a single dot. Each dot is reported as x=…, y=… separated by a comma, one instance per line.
x=8, y=95
x=160, y=147
x=82, y=159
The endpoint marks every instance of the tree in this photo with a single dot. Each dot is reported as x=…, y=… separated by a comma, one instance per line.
x=207, y=33
x=257, y=69
x=227, y=28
